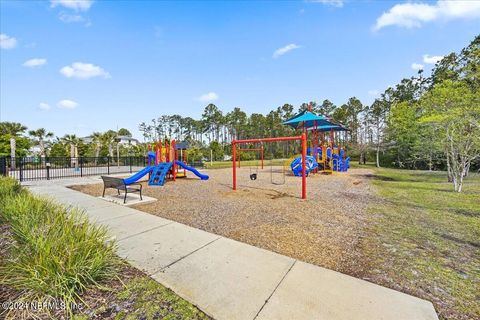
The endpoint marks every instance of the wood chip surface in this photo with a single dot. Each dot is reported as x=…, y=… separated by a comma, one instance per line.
x=326, y=229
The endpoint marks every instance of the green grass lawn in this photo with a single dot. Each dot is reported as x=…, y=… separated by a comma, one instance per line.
x=426, y=239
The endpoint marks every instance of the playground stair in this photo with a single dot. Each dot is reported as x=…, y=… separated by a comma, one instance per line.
x=157, y=178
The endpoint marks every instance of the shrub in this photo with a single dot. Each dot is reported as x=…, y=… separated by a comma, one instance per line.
x=56, y=252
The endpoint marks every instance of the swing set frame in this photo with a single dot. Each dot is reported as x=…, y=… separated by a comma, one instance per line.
x=302, y=138
x=250, y=150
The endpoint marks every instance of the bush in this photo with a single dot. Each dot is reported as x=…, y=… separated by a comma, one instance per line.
x=8, y=188
x=57, y=252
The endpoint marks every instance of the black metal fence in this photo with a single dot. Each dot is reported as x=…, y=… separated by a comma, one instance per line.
x=46, y=168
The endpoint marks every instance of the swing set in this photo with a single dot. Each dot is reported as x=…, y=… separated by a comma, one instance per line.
x=302, y=138
x=240, y=150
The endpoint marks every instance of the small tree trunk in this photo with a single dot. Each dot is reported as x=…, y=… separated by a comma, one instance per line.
x=378, y=156
x=449, y=169
x=72, y=155
x=118, y=155
x=467, y=169
x=13, y=147
x=97, y=153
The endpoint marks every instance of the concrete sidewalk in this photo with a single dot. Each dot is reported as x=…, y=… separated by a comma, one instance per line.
x=231, y=280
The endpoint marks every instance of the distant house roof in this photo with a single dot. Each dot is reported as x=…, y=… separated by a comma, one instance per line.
x=182, y=145
x=89, y=139
x=86, y=139
x=126, y=138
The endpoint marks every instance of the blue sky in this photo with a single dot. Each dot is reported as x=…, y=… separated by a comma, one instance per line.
x=83, y=66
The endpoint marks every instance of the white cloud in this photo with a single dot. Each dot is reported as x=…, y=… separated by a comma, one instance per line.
x=417, y=66
x=35, y=62
x=333, y=3
x=413, y=15
x=77, y=5
x=281, y=51
x=82, y=70
x=70, y=18
x=67, y=104
x=431, y=59
x=44, y=106
x=7, y=42
x=208, y=97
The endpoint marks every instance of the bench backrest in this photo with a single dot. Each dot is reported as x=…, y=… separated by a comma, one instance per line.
x=111, y=182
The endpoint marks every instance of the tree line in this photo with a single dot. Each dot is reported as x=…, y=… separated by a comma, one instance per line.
x=423, y=122
x=16, y=141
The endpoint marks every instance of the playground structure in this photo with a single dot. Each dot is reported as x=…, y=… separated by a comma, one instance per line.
x=302, y=138
x=321, y=156
x=164, y=164
x=327, y=157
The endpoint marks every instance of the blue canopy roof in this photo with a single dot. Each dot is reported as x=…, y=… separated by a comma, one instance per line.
x=335, y=127
x=307, y=119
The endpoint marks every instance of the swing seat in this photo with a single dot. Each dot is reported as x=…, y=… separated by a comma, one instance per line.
x=253, y=176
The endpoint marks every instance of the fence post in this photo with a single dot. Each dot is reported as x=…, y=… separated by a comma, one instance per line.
x=21, y=168
x=130, y=160
x=81, y=166
x=108, y=164
x=47, y=165
x=3, y=166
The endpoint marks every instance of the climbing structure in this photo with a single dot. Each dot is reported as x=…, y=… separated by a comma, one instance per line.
x=159, y=173
x=164, y=163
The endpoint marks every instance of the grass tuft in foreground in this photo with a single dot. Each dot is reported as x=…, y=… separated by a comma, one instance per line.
x=56, y=253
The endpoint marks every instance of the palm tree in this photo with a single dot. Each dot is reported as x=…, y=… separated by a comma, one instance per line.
x=73, y=141
x=108, y=139
x=97, y=141
x=14, y=129
x=40, y=135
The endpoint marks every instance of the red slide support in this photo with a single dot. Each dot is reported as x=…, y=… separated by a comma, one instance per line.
x=302, y=138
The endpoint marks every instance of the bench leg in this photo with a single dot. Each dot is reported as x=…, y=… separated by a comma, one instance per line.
x=125, y=198
x=103, y=194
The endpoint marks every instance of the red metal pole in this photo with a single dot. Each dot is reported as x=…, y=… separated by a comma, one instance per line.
x=234, y=157
x=331, y=139
x=261, y=155
x=304, y=162
x=268, y=139
x=174, y=169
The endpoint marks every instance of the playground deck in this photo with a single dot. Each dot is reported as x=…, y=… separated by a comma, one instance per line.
x=324, y=230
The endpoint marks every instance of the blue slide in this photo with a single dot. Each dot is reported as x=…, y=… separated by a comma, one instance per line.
x=137, y=176
x=195, y=171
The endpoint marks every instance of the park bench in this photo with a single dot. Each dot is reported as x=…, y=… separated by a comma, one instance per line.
x=119, y=185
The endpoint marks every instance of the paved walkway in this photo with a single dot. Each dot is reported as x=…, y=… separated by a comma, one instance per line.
x=232, y=280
